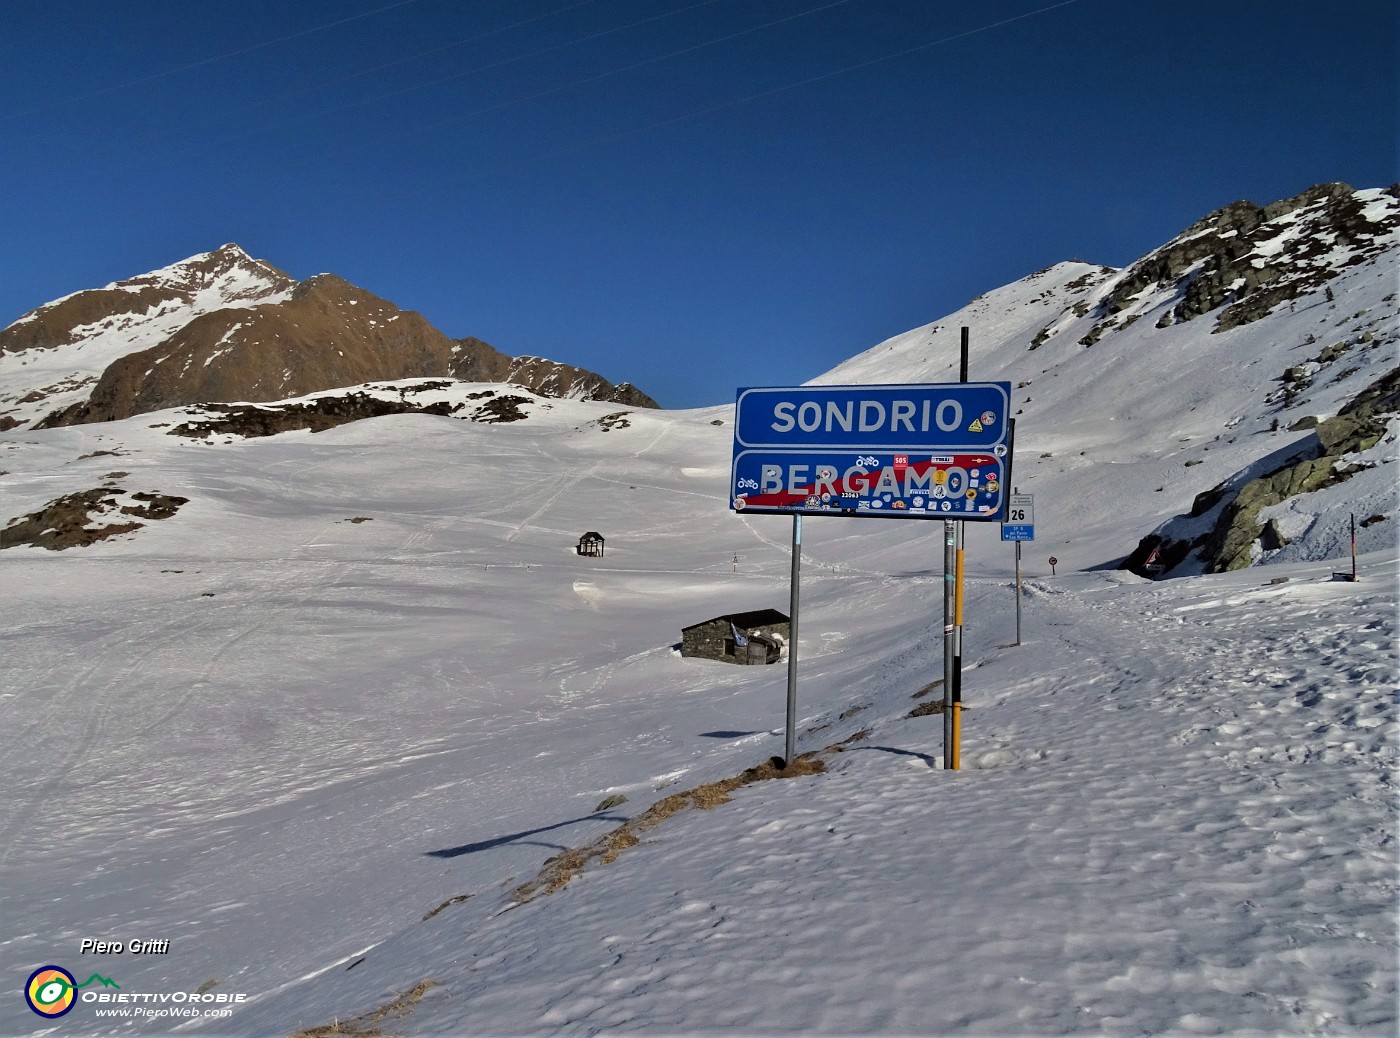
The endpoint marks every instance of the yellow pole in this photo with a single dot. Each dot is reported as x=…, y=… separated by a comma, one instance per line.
x=957, y=735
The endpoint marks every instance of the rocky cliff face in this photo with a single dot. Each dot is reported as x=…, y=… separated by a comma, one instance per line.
x=1244, y=261
x=1225, y=529
x=226, y=327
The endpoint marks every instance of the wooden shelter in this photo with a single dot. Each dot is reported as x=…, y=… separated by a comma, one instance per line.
x=757, y=636
x=591, y=543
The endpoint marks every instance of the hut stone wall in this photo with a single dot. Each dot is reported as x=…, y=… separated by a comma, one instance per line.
x=714, y=639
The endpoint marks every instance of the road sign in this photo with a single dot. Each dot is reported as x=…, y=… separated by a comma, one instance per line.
x=1020, y=510
x=1019, y=524
x=932, y=451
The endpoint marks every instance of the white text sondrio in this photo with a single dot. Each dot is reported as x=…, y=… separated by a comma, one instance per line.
x=867, y=416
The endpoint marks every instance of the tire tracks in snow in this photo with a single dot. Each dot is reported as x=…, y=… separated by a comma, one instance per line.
x=86, y=694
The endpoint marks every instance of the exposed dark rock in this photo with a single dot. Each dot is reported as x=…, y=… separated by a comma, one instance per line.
x=1216, y=264
x=1271, y=538
x=254, y=420
x=66, y=521
x=1229, y=543
x=154, y=506
x=1207, y=499
x=609, y=422
x=501, y=409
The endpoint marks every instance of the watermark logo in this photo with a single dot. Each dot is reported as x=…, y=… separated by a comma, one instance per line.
x=52, y=990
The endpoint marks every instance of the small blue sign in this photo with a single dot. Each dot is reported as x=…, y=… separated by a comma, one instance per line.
x=1017, y=532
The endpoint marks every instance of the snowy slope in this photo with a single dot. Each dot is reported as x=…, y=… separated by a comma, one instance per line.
x=361, y=674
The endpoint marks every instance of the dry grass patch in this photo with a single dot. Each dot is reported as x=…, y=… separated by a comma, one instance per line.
x=937, y=683
x=367, y=1025
x=447, y=904
x=561, y=868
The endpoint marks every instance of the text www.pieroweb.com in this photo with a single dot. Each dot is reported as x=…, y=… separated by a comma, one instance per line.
x=168, y=1012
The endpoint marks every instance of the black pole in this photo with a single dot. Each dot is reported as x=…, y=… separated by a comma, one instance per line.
x=1353, y=547
x=956, y=694
x=962, y=377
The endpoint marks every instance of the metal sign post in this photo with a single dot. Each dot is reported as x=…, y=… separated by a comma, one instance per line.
x=955, y=747
x=1018, y=592
x=950, y=542
x=790, y=745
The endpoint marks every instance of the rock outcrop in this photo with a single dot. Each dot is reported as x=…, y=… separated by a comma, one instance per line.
x=1223, y=529
x=1243, y=261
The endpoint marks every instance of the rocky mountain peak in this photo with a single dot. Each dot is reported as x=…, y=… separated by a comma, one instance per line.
x=1244, y=260
x=1244, y=216
x=223, y=326
x=228, y=276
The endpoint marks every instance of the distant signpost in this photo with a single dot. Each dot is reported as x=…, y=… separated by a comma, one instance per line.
x=1019, y=526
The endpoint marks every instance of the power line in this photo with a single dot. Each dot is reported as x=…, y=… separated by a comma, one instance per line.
x=203, y=62
x=152, y=138
x=772, y=91
x=266, y=126
x=509, y=61
x=698, y=113
x=603, y=75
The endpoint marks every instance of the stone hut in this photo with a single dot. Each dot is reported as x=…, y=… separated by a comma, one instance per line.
x=591, y=543
x=753, y=637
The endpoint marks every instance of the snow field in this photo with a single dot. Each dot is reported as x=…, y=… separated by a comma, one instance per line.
x=1137, y=844
x=280, y=738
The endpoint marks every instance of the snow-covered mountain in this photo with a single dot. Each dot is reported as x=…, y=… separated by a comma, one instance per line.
x=223, y=326
x=322, y=694
x=54, y=355
x=1154, y=395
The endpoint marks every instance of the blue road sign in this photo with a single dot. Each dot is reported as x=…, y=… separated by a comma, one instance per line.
x=931, y=417
x=1017, y=532
x=932, y=451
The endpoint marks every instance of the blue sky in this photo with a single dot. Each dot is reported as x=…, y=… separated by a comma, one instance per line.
x=692, y=196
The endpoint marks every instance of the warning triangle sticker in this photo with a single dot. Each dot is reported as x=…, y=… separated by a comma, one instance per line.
x=976, y=426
